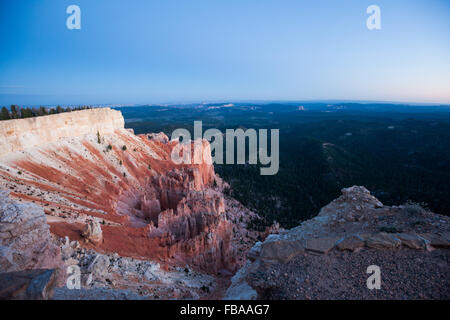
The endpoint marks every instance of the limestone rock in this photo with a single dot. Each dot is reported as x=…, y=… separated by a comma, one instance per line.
x=411, y=241
x=353, y=205
x=351, y=243
x=67, y=249
x=383, y=240
x=160, y=137
x=93, y=232
x=436, y=240
x=255, y=251
x=35, y=284
x=152, y=272
x=19, y=134
x=280, y=250
x=26, y=241
x=240, y=289
x=352, y=223
x=320, y=245
x=99, y=267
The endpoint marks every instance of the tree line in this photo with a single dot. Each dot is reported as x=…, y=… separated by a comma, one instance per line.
x=17, y=112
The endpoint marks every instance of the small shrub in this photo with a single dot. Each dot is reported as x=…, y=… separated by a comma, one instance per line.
x=124, y=148
x=415, y=208
x=205, y=289
x=99, y=140
x=109, y=147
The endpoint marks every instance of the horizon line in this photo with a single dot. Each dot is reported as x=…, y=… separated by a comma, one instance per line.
x=225, y=101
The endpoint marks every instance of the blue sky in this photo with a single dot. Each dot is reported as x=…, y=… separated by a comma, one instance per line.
x=146, y=51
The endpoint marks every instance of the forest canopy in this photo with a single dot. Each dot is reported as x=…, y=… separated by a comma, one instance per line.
x=17, y=112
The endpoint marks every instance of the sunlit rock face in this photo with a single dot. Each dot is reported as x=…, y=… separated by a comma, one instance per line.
x=25, y=133
x=83, y=167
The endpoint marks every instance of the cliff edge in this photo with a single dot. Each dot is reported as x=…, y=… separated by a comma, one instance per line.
x=116, y=192
x=327, y=257
x=20, y=134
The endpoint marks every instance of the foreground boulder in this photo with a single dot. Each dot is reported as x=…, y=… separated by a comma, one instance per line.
x=37, y=284
x=93, y=232
x=25, y=241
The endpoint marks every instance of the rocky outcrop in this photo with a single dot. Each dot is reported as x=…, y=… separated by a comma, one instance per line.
x=329, y=254
x=25, y=241
x=20, y=134
x=239, y=289
x=99, y=182
x=93, y=232
x=160, y=137
x=38, y=284
x=106, y=274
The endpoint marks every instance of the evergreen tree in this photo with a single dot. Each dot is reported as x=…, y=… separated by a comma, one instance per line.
x=15, y=112
x=4, y=115
x=43, y=111
x=35, y=112
x=26, y=113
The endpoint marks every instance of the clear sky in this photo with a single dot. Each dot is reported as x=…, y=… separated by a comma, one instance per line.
x=153, y=51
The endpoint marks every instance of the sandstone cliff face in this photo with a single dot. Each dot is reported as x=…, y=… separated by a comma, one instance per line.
x=145, y=205
x=25, y=133
x=327, y=257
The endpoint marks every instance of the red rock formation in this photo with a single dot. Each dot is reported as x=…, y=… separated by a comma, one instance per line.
x=146, y=205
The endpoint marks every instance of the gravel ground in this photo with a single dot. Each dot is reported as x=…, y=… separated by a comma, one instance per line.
x=405, y=274
x=95, y=294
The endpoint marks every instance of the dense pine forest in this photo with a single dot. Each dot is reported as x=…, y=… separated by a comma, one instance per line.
x=401, y=153
x=16, y=112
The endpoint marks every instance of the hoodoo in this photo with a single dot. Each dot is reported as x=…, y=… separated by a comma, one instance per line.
x=121, y=192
